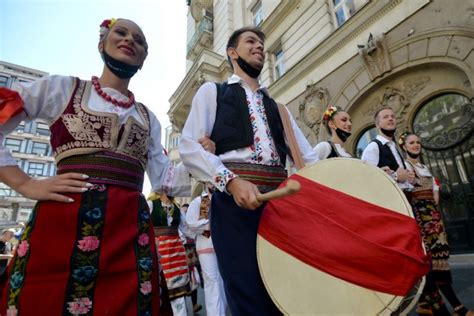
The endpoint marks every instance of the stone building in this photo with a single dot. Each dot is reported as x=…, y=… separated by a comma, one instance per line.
x=29, y=144
x=415, y=55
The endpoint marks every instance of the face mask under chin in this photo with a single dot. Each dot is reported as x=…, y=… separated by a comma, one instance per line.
x=343, y=135
x=247, y=68
x=119, y=68
x=388, y=132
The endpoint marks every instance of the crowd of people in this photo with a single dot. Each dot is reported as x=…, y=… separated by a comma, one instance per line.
x=117, y=254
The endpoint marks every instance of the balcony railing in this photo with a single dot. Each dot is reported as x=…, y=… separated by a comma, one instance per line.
x=203, y=37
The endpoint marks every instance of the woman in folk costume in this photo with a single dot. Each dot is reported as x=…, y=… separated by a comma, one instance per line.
x=167, y=222
x=424, y=199
x=104, y=259
x=339, y=125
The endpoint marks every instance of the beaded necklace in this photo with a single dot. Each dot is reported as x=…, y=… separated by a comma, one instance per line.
x=108, y=98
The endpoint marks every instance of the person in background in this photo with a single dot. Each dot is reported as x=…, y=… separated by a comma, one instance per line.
x=339, y=125
x=6, y=248
x=424, y=198
x=168, y=227
x=193, y=262
x=197, y=219
x=383, y=152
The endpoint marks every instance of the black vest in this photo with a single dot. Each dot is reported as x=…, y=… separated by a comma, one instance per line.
x=386, y=157
x=232, y=128
x=333, y=152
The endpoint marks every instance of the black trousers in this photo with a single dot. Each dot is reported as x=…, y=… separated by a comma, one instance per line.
x=234, y=235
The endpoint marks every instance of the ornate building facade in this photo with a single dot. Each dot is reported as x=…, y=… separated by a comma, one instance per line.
x=416, y=56
x=29, y=144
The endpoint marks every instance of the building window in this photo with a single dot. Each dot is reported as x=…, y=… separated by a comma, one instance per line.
x=257, y=12
x=5, y=192
x=42, y=129
x=278, y=64
x=366, y=137
x=20, y=128
x=40, y=148
x=13, y=144
x=3, y=81
x=36, y=168
x=28, y=127
x=343, y=10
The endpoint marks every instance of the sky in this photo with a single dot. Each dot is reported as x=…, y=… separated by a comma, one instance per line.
x=61, y=37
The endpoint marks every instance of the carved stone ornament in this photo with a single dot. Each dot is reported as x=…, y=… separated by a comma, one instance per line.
x=198, y=7
x=399, y=99
x=311, y=108
x=375, y=56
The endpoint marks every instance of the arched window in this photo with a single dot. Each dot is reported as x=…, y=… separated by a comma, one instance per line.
x=444, y=121
x=367, y=135
x=445, y=125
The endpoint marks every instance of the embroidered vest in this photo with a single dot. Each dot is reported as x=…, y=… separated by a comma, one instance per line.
x=233, y=129
x=386, y=157
x=81, y=131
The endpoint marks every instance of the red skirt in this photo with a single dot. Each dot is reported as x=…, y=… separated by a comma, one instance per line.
x=95, y=256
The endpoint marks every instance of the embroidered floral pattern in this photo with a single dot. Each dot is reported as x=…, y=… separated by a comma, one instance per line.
x=143, y=239
x=145, y=262
x=256, y=147
x=12, y=311
x=19, y=265
x=80, y=306
x=23, y=248
x=88, y=243
x=433, y=233
x=85, y=257
x=222, y=178
x=90, y=130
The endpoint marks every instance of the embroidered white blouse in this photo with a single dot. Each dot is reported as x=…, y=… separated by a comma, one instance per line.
x=323, y=149
x=421, y=170
x=208, y=167
x=46, y=99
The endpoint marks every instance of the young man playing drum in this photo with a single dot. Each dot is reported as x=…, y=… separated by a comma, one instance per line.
x=246, y=127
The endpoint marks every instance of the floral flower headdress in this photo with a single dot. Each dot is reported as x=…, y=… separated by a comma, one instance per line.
x=403, y=137
x=106, y=25
x=329, y=113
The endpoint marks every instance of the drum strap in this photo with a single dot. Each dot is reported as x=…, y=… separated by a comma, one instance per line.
x=290, y=137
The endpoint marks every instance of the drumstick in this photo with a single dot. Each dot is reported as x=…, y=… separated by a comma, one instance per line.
x=292, y=186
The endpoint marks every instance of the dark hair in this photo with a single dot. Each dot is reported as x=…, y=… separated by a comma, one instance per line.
x=380, y=110
x=185, y=205
x=235, y=36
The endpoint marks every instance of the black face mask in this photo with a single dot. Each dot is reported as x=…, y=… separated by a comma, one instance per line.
x=388, y=133
x=248, y=69
x=413, y=156
x=118, y=68
x=343, y=135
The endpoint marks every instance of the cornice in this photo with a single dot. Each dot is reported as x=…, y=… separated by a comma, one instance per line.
x=279, y=13
x=356, y=25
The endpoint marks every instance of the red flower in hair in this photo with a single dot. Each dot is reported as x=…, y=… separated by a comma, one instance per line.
x=105, y=23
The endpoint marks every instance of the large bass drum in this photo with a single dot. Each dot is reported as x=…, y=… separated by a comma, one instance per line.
x=298, y=288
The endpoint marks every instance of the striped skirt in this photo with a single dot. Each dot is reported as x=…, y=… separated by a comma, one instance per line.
x=173, y=261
